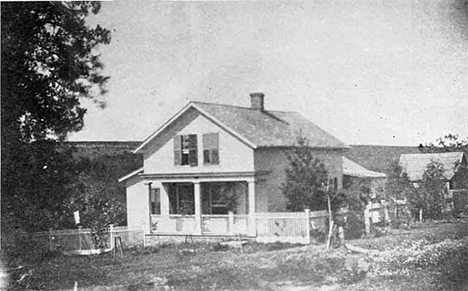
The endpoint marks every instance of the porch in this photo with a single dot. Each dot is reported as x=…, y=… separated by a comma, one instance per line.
x=211, y=224
x=202, y=208
x=288, y=227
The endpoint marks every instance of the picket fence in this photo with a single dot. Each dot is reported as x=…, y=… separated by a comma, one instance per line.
x=287, y=227
x=81, y=238
x=290, y=227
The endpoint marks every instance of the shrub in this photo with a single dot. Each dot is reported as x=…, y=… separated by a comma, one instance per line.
x=354, y=227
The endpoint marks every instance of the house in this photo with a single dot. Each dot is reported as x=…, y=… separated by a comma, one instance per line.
x=454, y=165
x=455, y=172
x=212, y=168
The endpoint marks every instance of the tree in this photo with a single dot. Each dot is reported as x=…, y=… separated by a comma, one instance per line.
x=306, y=178
x=49, y=62
x=447, y=143
x=97, y=195
x=41, y=175
x=398, y=189
x=429, y=197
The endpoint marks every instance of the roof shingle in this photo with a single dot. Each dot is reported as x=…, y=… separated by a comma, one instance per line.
x=269, y=128
x=415, y=164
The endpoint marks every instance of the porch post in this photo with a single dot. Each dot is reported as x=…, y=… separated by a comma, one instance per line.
x=164, y=201
x=164, y=224
x=198, y=210
x=252, y=209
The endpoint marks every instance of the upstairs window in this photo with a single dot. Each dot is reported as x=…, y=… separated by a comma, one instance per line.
x=185, y=150
x=211, y=149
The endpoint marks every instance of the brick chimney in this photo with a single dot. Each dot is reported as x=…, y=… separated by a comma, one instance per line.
x=256, y=101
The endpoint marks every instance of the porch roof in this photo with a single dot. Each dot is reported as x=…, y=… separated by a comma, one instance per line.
x=195, y=176
x=353, y=169
x=205, y=176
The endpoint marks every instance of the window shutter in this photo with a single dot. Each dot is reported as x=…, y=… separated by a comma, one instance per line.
x=177, y=150
x=193, y=154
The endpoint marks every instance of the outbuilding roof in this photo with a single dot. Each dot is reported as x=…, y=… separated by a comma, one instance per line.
x=260, y=128
x=415, y=164
x=353, y=169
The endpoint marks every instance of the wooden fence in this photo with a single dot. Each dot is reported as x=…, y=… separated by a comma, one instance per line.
x=291, y=227
x=81, y=238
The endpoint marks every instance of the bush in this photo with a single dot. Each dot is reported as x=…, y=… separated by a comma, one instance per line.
x=354, y=227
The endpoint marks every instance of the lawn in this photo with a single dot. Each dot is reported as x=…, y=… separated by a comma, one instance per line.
x=431, y=256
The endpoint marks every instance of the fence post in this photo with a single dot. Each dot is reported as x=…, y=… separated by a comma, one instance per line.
x=79, y=236
x=143, y=232
x=111, y=235
x=307, y=220
x=366, y=218
x=51, y=248
x=231, y=223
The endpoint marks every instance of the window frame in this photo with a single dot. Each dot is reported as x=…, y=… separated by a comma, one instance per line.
x=186, y=150
x=211, y=148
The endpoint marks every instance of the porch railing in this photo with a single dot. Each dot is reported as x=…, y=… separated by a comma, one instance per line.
x=212, y=224
x=293, y=227
x=224, y=224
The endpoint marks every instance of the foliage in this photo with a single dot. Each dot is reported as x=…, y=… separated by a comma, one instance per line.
x=98, y=195
x=305, y=179
x=35, y=187
x=47, y=64
x=447, y=143
x=49, y=61
x=397, y=188
x=430, y=195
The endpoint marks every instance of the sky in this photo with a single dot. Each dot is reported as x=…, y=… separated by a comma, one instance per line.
x=368, y=72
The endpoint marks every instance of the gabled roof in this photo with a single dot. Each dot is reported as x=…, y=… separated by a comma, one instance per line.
x=258, y=128
x=415, y=164
x=352, y=169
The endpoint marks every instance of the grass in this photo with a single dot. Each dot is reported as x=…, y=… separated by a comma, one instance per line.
x=432, y=256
